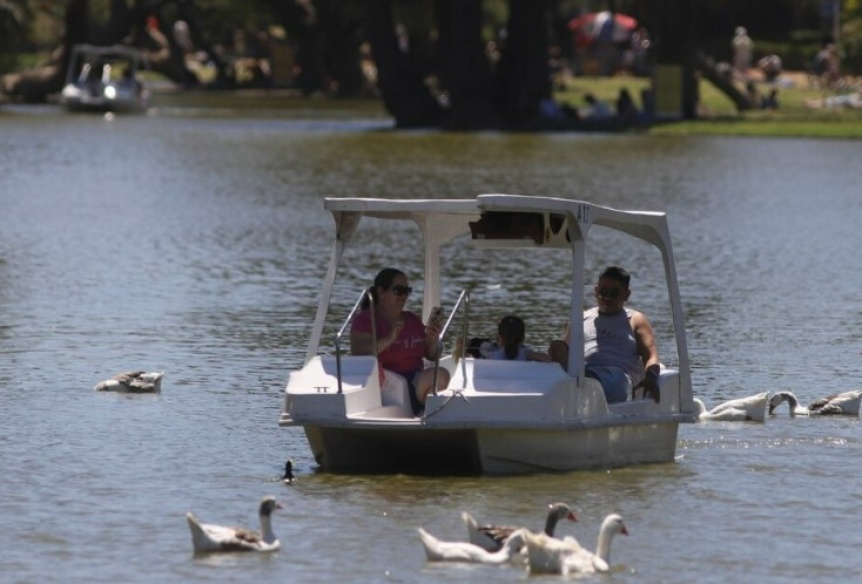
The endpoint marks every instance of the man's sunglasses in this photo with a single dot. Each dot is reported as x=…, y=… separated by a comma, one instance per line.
x=611, y=293
x=401, y=290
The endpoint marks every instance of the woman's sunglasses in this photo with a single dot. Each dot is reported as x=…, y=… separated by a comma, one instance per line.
x=611, y=293
x=401, y=290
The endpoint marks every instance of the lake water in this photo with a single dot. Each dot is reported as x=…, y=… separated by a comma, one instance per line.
x=194, y=242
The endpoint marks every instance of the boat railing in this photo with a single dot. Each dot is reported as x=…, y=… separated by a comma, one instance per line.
x=366, y=293
x=463, y=301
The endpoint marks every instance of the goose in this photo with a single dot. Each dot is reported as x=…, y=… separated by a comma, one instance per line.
x=133, y=382
x=548, y=555
x=491, y=537
x=846, y=403
x=463, y=551
x=780, y=397
x=288, y=472
x=744, y=409
x=217, y=538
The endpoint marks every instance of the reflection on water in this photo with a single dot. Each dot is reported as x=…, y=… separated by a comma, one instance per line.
x=195, y=242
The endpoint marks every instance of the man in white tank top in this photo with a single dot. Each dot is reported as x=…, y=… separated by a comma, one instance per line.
x=619, y=344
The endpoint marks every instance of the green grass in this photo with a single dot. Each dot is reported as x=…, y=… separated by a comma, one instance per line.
x=718, y=116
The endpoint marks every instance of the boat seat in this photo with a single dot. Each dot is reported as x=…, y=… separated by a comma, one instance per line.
x=394, y=390
x=500, y=376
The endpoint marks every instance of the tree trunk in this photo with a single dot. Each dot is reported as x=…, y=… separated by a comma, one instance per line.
x=673, y=30
x=524, y=75
x=302, y=21
x=402, y=87
x=342, y=56
x=464, y=70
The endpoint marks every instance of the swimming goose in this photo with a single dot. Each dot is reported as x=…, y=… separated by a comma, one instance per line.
x=548, y=555
x=133, y=382
x=744, y=409
x=491, y=537
x=217, y=538
x=463, y=551
x=778, y=398
x=839, y=404
x=846, y=403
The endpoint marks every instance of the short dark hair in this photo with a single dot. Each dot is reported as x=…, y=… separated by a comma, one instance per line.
x=617, y=273
x=511, y=330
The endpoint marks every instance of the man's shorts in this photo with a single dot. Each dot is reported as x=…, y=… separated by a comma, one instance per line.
x=616, y=383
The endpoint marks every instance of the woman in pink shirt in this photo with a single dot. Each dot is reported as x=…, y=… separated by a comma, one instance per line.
x=403, y=342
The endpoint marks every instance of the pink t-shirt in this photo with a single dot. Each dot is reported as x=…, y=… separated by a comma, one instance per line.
x=405, y=355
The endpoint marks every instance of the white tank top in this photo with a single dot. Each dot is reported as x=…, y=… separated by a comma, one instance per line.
x=500, y=353
x=609, y=340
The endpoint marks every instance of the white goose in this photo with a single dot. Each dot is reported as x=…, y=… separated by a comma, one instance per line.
x=463, y=551
x=846, y=403
x=744, y=409
x=492, y=537
x=547, y=555
x=133, y=382
x=217, y=538
x=778, y=398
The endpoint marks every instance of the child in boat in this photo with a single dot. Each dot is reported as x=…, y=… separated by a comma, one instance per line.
x=510, y=342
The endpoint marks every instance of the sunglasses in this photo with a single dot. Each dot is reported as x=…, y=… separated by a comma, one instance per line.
x=401, y=290
x=611, y=293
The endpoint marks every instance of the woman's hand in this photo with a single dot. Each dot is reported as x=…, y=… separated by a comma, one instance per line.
x=397, y=326
x=432, y=333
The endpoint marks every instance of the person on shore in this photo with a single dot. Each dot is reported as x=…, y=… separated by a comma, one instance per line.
x=402, y=342
x=743, y=47
x=627, y=111
x=770, y=101
x=619, y=343
x=599, y=110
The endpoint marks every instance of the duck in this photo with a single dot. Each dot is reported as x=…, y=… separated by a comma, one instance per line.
x=492, y=537
x=464, y=551
x=548, y=555
x=743, y=409
x=846, y=403
x=133, y=382
x=216, y=538
x=288, y=477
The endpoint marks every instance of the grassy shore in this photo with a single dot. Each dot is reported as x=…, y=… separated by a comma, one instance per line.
x=795, y=115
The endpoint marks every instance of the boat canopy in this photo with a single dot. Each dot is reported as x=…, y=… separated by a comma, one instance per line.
x=83, y=53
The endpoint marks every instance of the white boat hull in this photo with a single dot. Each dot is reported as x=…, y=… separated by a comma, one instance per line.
x=101, y=99
x=498, y=417
x=489, y=451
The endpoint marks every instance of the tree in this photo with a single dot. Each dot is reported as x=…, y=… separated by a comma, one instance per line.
x=454, y=85
x=13, y=15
